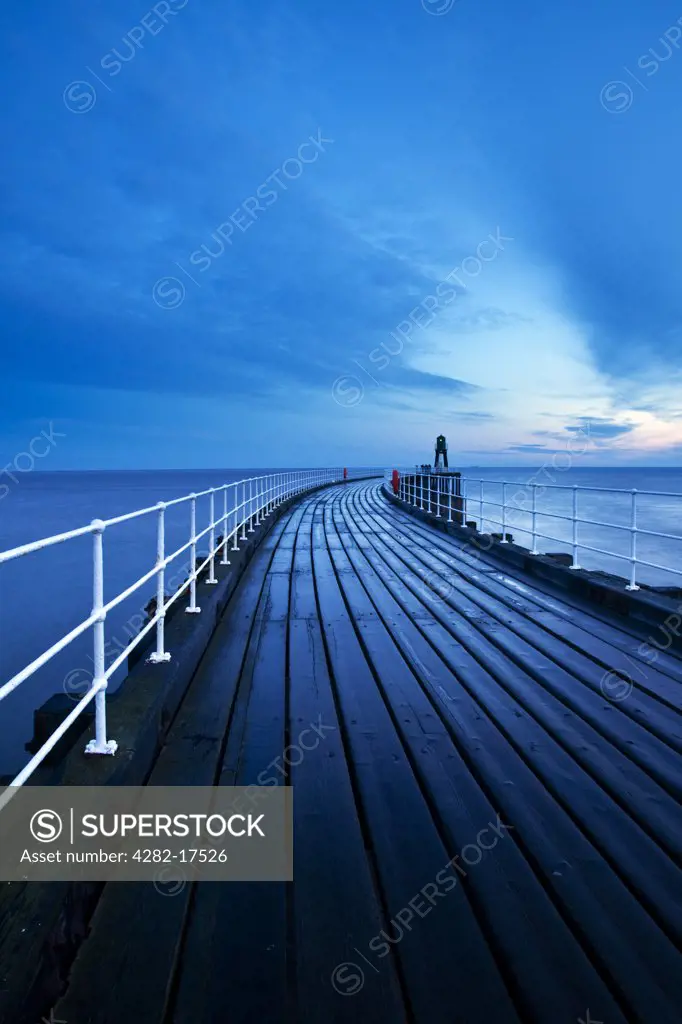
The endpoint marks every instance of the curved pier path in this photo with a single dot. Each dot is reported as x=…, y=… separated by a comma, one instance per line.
x=487, y=815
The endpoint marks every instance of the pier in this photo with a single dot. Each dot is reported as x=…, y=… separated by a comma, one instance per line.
x=485, y=763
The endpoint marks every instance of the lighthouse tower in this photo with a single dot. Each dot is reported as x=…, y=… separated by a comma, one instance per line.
x=441, y=451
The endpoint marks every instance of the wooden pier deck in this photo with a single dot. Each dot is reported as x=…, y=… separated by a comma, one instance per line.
x=487, y=823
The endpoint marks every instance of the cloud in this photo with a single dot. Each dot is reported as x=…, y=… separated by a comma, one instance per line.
x=600, y=428
x=575, y=323
x=528, y=448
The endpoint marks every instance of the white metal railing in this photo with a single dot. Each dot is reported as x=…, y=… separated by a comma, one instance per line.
x=472, y=504
x=244, y=506
x=439, y=497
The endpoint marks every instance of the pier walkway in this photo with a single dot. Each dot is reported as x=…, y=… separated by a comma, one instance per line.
x=487, y=815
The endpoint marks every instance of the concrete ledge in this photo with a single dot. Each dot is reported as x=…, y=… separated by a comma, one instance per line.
x=42, y=925
x=645, y=608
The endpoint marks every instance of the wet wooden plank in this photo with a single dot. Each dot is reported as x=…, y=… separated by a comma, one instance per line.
x=334, y=896
x=463, y=654
x=411, y=694
x=448, y=962
x=236, y=950
x=142, y=923
x=550, y=971
x=642, y=658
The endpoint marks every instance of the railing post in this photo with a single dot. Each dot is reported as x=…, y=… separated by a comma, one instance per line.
x=632, y=585
x=192, y=608
x=235, y=535
x=211, y=538
x=451, y=495
x=575, y=564
x=250, y=505
x=504, y=513
x=224, y=560
x=534, y=514
x=464, y=500
x=100, y=744
x=243, y=511
x=159, y=654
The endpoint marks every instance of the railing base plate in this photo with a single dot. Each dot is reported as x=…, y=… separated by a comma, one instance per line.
x=93, y=747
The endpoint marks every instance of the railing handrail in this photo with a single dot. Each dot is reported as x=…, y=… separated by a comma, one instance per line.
x=435, y=472
x=259, y=496
x=570, y=487
x=414, y=494
x=58, y=538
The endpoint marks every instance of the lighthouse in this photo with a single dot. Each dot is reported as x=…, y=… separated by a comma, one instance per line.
x=441, y=450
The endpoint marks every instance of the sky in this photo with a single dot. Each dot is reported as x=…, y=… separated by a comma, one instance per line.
x=292, y=233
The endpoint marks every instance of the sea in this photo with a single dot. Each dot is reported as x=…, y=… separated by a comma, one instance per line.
x=46, y=594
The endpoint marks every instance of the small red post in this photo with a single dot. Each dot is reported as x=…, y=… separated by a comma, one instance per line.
x=345, y=474
x=395, y=481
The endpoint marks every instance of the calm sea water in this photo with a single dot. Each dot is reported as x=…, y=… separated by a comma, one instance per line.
x=44, y=595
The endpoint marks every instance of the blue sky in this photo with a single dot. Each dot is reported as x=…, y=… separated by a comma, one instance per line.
x=300, y=233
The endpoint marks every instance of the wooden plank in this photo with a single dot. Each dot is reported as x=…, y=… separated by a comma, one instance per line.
x=653, y=693
x=235, y=955
x=585, y=627
x=449, y=962
x=434, y=713
x=142, y=923
x=632, y=740
x=578, y=899
x=551, y=974
x=334, y=897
